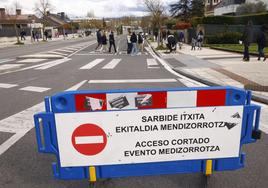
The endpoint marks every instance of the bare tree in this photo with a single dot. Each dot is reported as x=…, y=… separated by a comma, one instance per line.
x=42, y=8
x=91, y=14
x=156, y=9
x=11, y=13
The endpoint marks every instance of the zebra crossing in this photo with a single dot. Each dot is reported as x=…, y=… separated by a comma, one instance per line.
x=30, y=88
x=58, y=53
x=112, y=64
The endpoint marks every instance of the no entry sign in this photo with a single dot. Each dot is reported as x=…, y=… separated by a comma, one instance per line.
x=151, y=135
x=89, y=139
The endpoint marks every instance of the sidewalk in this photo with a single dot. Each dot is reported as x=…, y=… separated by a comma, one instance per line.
x=10, y=41
x=215, y=67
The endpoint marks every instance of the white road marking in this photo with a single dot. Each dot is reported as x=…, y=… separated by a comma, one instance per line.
x=22, y=122
x=6, y=60
x=31, y=60
x=58, y=53
x=112, y=64
x=89, y=140
x=63, y=50
x=35, y=89
x=10, y=66
x=131, y=81
x=72, y=48
x=152, y=64
x=7, y=86
x=42, y=56
x=92, y=64
x=53, y=63
x=77, y=86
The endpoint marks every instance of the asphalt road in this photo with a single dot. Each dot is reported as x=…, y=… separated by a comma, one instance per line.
x=23, y=167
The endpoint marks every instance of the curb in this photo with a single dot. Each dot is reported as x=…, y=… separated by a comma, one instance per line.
x=233, y=51
x=255, y=97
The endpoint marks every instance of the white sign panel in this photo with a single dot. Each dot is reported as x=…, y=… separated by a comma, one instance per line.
x=142, y=136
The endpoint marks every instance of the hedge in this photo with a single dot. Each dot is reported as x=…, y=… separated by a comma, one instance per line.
x=224, y=38
x=257, y=19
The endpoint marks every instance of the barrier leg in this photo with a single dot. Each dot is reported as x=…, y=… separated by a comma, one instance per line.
x=207, y=173
x=92, y=177
x=206, y=181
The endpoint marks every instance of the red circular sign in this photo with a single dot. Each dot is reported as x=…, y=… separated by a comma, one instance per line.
x=89, y=139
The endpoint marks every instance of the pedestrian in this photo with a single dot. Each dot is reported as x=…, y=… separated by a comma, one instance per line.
x=37, y=36
x=112, y=42
x=129, y=44
x=200, y=37
x=46, y=34
x=171, y=43
x=104, y=42
x=99, y=39
x=261, y=41
x=22, y=35
x=140, y=41
x=181, y=39
x=193, y=43
x=247, y=39
x=33, y=35
x=134, y=40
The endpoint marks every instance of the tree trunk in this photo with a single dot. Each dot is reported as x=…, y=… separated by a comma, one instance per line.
x=158, y=37
x=17, y=33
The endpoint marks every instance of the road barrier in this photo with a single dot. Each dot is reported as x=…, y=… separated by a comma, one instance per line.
x=137, y=132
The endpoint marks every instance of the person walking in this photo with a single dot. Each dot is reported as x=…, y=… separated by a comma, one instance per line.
x=99, y=39
x=129, y=44
x=22, y=35
x=261, y=41
x=33, y=35
x=247, y=39
x=171, y=43
x=181, y=39
x=140, y=42
x=112, y=42
x=200, y=37
x=104, y=42
x=193, y=42
x=134, y=40
x=46, y=34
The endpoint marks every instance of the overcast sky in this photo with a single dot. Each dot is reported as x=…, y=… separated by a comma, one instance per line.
x=101, y=8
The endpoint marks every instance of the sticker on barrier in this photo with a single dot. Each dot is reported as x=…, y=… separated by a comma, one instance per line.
x=147, y=131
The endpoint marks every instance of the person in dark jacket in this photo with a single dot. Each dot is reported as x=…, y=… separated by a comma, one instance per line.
x=261, y=41
x=129, y=44
x=112, y=42
x=104, y=42
x=99, y=39
x=247, y=39
x=134, y=40
x=172, y=43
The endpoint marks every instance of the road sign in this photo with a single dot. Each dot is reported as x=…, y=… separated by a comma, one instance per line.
x=88, y=139
x=147, y=131
x=152, y=136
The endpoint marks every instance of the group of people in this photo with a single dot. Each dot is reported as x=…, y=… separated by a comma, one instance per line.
x=135, y=43
x=103, y=41
x=247, y=39
x=197, y=41
x=172, y=41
